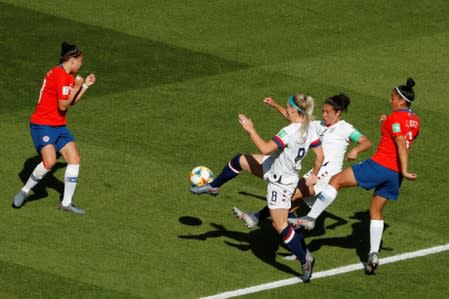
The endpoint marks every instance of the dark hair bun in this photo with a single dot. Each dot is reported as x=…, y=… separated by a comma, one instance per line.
x=68, y=49
x=339, y=102
x=344, y=99
x=410, y=83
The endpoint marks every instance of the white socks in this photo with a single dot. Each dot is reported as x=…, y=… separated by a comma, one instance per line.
x=70, y=180
x=324, y=199
x=38, y=173
x=376, y=230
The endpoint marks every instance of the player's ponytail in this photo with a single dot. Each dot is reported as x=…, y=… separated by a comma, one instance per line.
x=305, y=103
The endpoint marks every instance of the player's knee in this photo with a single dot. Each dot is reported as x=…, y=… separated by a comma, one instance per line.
x=336, y=181
x=73, y=158
x=49, y=162
x=279, y=226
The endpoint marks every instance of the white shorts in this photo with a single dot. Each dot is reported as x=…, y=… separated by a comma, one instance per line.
x=279, y=196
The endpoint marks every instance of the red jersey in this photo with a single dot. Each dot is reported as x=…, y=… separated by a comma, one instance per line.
x=57, y=85
x=399, y=123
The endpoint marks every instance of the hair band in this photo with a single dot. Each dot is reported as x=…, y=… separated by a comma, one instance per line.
x=402, y=96
x=292, y=103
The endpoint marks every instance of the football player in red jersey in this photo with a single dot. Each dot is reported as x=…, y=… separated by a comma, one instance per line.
x=60, y=90
x=383, y=172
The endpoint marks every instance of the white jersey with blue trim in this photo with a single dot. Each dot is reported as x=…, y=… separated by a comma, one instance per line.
x=293, y=146
x=334, y=140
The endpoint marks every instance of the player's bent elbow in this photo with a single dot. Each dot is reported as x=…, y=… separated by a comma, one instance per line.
x=369, y=144
x=266, y=151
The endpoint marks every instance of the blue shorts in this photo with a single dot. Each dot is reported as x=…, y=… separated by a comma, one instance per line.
x=43, y=135
x=370, y=174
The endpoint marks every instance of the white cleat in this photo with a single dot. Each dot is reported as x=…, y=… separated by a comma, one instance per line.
x=307, y=269
x=308, y=223
x=372, y=264
x=293, y=257
x=249, y=219
x=19, y=199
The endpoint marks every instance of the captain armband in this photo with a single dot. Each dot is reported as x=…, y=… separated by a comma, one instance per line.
x=355, y=136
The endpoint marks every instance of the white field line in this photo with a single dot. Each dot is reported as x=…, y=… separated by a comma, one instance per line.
x=331, y=272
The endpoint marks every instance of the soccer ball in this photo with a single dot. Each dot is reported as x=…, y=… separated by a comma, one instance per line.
x=201, y=175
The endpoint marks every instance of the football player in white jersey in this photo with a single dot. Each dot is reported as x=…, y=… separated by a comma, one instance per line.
x=279, y=163
x=336, y=135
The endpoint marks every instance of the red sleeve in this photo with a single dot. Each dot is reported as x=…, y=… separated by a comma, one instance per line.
x=64, y=84
x=396, y=125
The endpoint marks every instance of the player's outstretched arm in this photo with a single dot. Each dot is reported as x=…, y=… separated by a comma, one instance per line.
x=272, y=103
x=265, y=147
x=364, y=144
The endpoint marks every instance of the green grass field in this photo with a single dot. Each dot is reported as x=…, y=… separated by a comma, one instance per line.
x=172, y=77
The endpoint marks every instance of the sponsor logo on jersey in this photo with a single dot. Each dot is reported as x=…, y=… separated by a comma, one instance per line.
x=282, y=134
x=65, y=90
x=396, y=128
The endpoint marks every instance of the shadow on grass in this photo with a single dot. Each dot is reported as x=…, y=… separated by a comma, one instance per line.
x=190, y=220
x=262, y=242
x=49, y=181
x=359, y=239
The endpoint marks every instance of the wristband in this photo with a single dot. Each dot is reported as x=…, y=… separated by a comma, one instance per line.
x=85, y=86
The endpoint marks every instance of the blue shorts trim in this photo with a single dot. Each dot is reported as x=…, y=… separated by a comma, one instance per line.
x=386, y=182
x=43, y=135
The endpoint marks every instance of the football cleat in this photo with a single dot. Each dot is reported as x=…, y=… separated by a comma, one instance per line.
x=205, y=189
x=290, y=257
x=293, y=257
x=249, y=219
x=72, y=208
x=309, y=256
x=307, y=269
x=308, y=223
x=372, y=264
x=19, y=199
